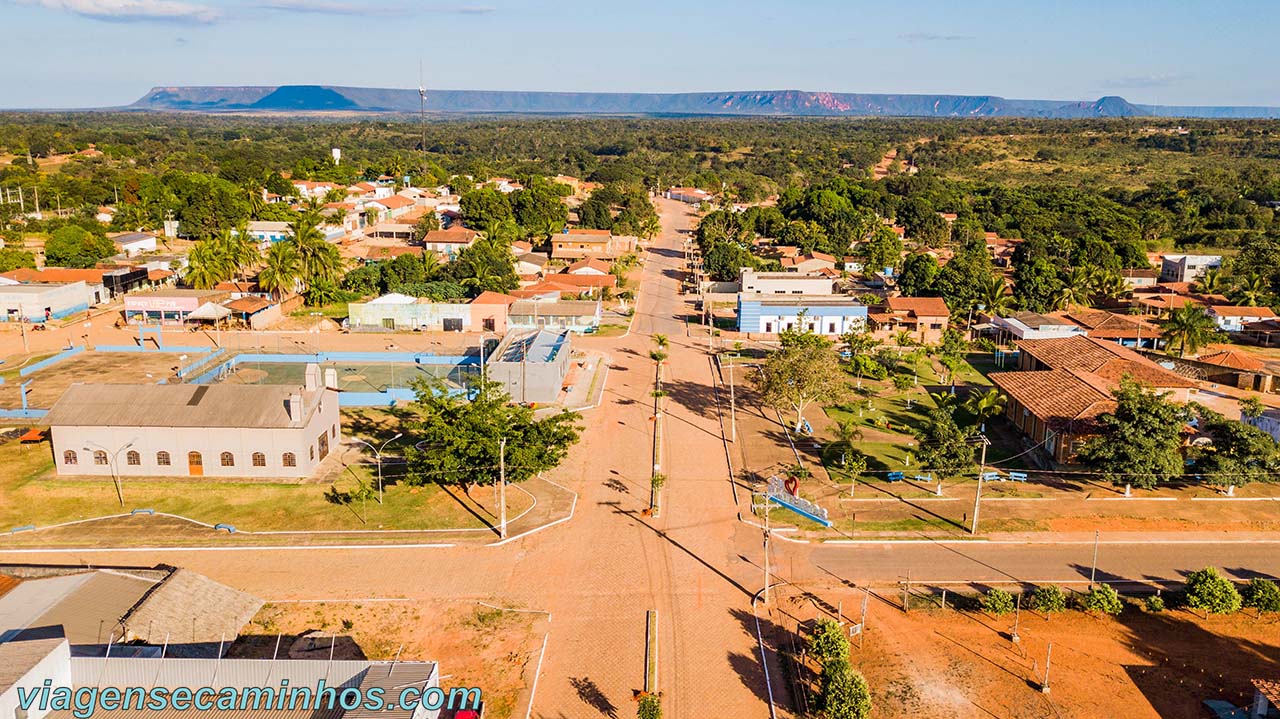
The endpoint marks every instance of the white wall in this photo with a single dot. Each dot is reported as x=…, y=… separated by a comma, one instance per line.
x=55, y=667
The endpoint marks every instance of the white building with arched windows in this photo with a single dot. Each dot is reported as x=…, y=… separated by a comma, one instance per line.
x=185, y=430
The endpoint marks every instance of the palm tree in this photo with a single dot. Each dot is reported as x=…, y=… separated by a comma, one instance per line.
x=281, y=271
x=985, y=405
x=650, y=227
x=1187, y=329
x=945, y=400
x=847, y=432
x=318, y=260
x=994, y=296
x=1250, y=291
x=1213, y=282
x=239, y=249
x=257, y=203
x=1111, y=286
x=207, y=265
x=1076, y=290
x=903, y=338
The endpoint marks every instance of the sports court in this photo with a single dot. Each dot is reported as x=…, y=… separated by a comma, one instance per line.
x=352, y=376
x=48, y=384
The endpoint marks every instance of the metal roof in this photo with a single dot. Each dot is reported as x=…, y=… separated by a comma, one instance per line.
x=19, y=656
x=180, y=405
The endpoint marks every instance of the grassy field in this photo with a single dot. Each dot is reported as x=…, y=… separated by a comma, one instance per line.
x=31, y=495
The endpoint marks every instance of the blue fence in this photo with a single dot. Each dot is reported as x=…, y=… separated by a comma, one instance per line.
x=44, y=363
x=424, y=358
x=200, y=362
x=171, y=349
x=23, y=413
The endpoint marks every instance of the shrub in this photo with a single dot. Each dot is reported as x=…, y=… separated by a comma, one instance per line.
x=844, y=692
x=1262, y=594
x=828, y=643
x=650, y=707
x=1211, y=592
x=1154, y=603
x=997, y=602
x=1102, y=599
x=1047, y=599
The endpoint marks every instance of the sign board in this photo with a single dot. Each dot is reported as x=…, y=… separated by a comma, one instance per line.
x=779, y=494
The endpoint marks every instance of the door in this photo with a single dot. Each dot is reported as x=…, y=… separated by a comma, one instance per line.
x=195, y=464
x=388, y=323
x=322, y=443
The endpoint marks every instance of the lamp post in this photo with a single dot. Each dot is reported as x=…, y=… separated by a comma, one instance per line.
x=377, y=453
x=112, y=464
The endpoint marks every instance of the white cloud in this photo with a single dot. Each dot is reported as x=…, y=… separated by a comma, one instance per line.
x=134, y=10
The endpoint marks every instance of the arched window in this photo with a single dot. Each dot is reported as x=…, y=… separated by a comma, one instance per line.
x=162, y=458
x=194, y=459
x=228, y=459
x=259, y=459
x=99, y=457
x=311, y=452
x=69, y=457
x=133, y=459
x=289, y=460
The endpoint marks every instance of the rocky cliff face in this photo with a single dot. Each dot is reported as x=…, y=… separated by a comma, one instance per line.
x=316, y=98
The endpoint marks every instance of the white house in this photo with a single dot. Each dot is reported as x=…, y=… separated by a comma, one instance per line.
x=1033, y=326
x=268, y=231
x=1230, y=318
x=828, y=315
x=785, y=283
x=588, y=266
x=1187, y=268
x=688, y=195
x=132, y=244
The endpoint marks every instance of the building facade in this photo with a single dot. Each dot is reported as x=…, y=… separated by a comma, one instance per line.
x=827, y=315
x=579, y=316
x=39, y=303
x=1187, y=268
x=532, y=364
x=221, y=430
x=785, y=283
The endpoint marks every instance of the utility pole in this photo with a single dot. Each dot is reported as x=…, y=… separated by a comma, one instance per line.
x=1093, y=569
x=766, y=548
x=1044, y=686
x=502, y=488
x=982, y=469
x=733, y=405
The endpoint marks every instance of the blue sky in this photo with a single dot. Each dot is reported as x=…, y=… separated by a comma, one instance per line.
x=93, y=53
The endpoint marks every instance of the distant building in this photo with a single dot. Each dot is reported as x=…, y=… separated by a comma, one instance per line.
x=1187, y=268
x=1121, y=329
x=132, y=244
x=1140, y=277
x=924, y=318
x=451, y=241
x=574, y=244
x=785, y=283
x=589, y=266
x=390, y=207
x=828, y=315
x=688, y=195
x=812, y=262
x=105, y=284
x=579, y=316
x=269, y=231
x=38, y=303
x=532, y=364
x=485, y=313
x=1231, y=318
x=167, y=306
x=1033, y=326
x=220, y=430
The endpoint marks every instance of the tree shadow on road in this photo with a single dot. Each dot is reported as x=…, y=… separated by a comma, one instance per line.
x=693, y=396
x=632, y=514
x=748, y=666
x=589, y=692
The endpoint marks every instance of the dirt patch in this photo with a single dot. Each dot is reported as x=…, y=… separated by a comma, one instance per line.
x=476, y=646
x=949, y=663
x=104, y=367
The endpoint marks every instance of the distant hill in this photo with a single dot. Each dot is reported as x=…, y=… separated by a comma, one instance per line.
x=324, y=98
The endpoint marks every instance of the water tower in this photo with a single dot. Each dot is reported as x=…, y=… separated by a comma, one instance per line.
x=337, y=155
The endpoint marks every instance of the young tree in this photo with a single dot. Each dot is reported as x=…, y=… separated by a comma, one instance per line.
x=1211, y=592
x=944, y=447
x=997, y=602
x=1139, y=442
x=649, y=707
x=845, y=694
x=1261, y=594
x=1102, y=599
x=1047, y=599
x=984, y=406
x=1241, y=453
x=1251, y=407
x=828, y=642
x=456, y=441
x=803, y=371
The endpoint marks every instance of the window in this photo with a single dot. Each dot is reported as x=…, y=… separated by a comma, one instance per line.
x=831, y=328
x=99, y=457
x=768, y=326
x=311, y=452
x=69, y=457
x=322, y=443
x=289, y=460
x=935, y=326
x=133, y=459
x=334, y=432
x=259, y=459
x=162, y=458
x=228, y=459
x=194, y=459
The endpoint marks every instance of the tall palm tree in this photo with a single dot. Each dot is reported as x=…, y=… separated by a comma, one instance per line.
x=650, y=227
x=1250, y=291
x=847, y=432
x=994, y=296
x=257, y=203
x=1110, y=285
x=207, y=265
x=318, y=260
x=239, y=250
x=281, y=271
x=1213, y=282
x=985, y=405
x=1187, y=329
x=1077, y=289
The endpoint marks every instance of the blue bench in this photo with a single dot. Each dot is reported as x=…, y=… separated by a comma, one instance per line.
x=1018, y=476
x=991, y=476
x=895, y=476
x=924, y=478
x=231, y=529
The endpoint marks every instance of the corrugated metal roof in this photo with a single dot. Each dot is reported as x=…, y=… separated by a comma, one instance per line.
x=180, y=405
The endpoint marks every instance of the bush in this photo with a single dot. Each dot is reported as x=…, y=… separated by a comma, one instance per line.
x=864, y=366
x=844, y=692
x=1047, y=599
x=1154, y=603
x=1102, y=599
x=1261, y=594
x=650, y=707
x=997, y=602
x=828, y=643
x=1211, y=592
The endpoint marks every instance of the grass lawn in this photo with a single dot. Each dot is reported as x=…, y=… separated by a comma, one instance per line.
x=337, y=310
x=610, y=330
x=9, y=370
x=31, y=495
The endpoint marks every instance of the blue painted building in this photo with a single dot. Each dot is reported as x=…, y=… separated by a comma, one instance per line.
x=828, y=315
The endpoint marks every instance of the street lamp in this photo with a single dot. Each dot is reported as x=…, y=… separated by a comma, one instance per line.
x=112, y=463
x=377, y=452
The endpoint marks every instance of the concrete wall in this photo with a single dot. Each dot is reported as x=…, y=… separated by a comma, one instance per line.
x=533, y=381
x=29, y=303
x=55, y=667
x=211, y=442
x=419, y=315
x=785, y=283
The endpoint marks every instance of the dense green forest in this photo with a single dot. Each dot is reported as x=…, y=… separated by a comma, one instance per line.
x=1092, y=194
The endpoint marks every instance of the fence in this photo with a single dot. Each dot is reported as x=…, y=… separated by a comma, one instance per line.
x=50, y=361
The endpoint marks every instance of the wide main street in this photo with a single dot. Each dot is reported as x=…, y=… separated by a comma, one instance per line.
x=697, y=565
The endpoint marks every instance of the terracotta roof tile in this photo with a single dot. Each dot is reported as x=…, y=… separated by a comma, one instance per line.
x=1105, y=359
